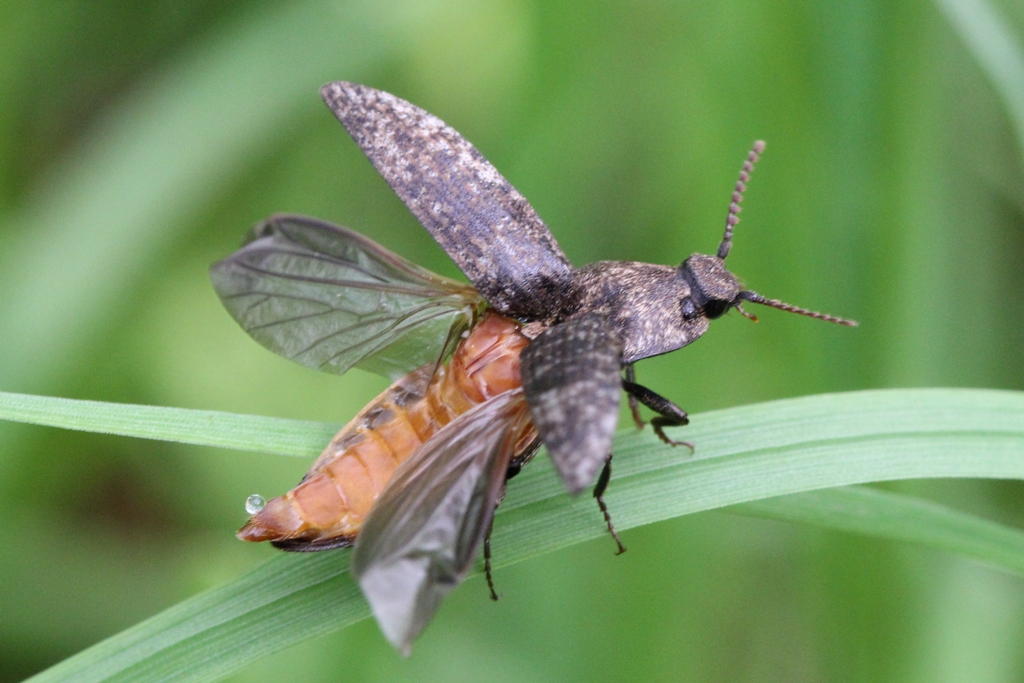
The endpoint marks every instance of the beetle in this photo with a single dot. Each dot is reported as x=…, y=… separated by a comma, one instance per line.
x=534, y=352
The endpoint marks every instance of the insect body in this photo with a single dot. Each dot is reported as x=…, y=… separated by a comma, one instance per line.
x=328, y=508
x=540, y=352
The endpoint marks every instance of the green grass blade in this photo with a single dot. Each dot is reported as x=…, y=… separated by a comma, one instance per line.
x=997, y=51
x=287, y=600
x=898, y=517
x=772, y=449
x=744, y=454
x=201, y=427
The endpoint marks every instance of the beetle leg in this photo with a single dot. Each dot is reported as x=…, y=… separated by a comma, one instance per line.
x=487, y=561
x=634, y=406
x=669, y=414
x=599, y=489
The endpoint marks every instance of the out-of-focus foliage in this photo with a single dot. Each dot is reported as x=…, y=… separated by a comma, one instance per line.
x=139, y=141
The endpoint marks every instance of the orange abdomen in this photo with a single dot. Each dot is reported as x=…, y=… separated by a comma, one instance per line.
x=328, y=507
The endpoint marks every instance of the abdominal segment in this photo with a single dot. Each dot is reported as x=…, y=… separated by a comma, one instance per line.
x=327, y=509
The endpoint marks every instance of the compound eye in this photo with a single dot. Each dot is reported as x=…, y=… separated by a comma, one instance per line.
x=715, y=308
x=690, y=311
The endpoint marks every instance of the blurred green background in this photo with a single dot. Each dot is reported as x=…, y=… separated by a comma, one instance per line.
x=140, y=140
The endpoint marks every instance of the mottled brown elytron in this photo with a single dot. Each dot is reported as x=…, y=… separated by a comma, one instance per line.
x=328, y=508
x=535, y=350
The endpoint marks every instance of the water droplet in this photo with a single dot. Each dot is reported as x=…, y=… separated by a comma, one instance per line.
x=254, y=503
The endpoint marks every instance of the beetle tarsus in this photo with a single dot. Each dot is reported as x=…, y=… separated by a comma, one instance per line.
x=669, y=414
x=659, y=423
x=599, y=489
x=487, y=563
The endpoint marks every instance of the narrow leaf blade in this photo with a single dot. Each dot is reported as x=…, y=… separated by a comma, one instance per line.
x=743, y=454
x=184, y=425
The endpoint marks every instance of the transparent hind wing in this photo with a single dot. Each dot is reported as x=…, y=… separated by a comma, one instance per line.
x=332, y=299
x=424, y=531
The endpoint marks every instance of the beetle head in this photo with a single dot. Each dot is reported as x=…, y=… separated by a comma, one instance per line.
x=713, y=289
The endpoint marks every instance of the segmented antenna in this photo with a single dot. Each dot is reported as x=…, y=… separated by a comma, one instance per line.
x=737, y=196
x=756, y=298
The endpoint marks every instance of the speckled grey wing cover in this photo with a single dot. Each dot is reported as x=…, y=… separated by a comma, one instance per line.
x=571, y=377
x=488, y=228
x=330, y=298
x=425, y=529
